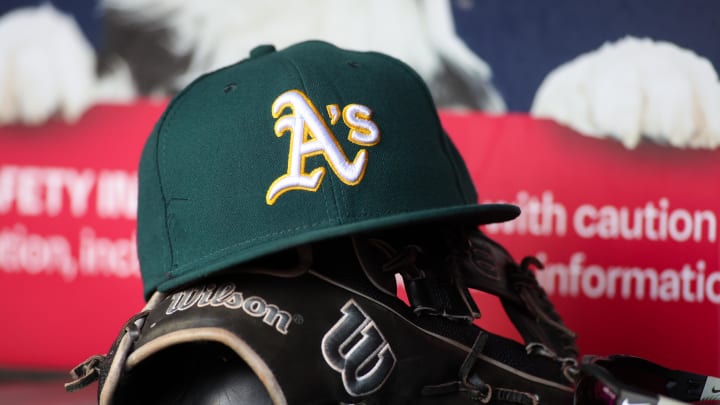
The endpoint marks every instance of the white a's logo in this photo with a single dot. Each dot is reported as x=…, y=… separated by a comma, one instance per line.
x=311, y=136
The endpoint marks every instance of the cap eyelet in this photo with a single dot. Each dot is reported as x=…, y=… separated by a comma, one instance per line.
x=229, y=87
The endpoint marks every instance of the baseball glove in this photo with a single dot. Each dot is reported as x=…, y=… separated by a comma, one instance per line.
x=323, y=324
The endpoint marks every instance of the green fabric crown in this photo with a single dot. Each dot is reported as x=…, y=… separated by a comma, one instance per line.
x=289, y=147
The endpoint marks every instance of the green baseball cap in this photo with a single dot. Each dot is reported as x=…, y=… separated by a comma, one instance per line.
x=289, y=147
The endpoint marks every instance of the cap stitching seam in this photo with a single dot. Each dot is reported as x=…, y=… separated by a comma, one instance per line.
x=332, y=189
x=159, y=151
x=339, y=187
x=165, y=127
x=444, y=139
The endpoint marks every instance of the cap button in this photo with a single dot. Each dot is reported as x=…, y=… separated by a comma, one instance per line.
x=262, y=50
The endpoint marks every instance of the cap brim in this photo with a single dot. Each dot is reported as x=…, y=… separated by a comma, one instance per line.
x=470, y=214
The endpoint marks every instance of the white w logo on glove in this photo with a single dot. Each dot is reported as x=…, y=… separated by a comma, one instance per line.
x=365, y=361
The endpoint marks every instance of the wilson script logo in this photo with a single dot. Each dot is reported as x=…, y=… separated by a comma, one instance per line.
x=226, y=295
x=356, y=349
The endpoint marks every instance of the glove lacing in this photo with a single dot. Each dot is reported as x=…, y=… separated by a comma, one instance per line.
x=473, y=386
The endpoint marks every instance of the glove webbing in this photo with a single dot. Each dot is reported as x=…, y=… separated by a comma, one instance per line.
x=431, y=292
x=488, y=266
